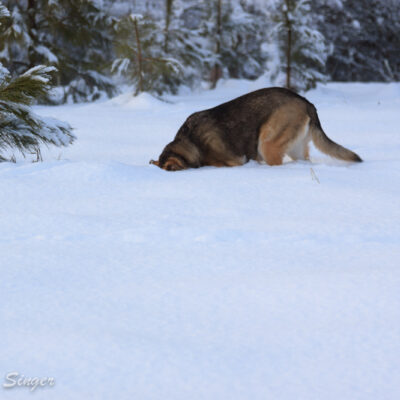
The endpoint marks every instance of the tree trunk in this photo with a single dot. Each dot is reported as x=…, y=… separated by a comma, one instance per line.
x=289, y=58
x=168, y=12
x=216, y=72
x=139, y=88
x=32, y=31
x=288, y=45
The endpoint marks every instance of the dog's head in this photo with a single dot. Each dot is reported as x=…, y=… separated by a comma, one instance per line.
x=172, y=159
x=181, y=153
x=170, y=163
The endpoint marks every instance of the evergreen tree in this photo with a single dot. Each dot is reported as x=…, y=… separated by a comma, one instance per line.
x=365, y=40
x=73, y=35
x=15, y=40
x=139, y=46
x=302, y=47
x=83, y=43
x=20, y=128
x=197, y=46
x=238, y=32
x=244, y=37
x=184, y=43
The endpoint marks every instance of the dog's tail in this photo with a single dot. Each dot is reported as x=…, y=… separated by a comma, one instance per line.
x=326, y=145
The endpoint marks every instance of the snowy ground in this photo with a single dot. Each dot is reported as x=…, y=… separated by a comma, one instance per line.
x=123, y=281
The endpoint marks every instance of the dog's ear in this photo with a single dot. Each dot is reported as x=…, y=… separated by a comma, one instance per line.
x=154, y=162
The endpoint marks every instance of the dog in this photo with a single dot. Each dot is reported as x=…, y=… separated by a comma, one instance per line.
x=263, y=125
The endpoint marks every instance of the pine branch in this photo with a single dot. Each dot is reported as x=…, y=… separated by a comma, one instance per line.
x=20, y=128
x=29, y=86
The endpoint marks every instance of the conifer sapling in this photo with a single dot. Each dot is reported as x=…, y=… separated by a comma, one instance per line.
x=20, y=127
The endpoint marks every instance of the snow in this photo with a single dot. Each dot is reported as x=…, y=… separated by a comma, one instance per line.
x=123, y=281
x=39, y=73
x=135, y=17
x=47, y=53
x=4, y=12
x=120, y=65
x=356, y=24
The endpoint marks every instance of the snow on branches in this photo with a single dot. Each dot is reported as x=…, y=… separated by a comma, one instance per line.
x=20, y=127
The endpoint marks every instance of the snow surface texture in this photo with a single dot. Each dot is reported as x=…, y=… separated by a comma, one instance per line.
x=123, y=281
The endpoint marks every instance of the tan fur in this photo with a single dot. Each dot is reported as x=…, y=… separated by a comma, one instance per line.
x=212, y=140
x=217, y=154
x=173, y=164
x=285, y=132
x=306, y=151
x=187, y=150
x=234, y=162
x=328, y=146
x=272, y=153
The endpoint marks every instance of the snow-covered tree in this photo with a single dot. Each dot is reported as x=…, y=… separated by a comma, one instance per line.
x=79, y=32
x=302, y=47
x=237, y=30
x=20, y=128
x=365, y=39
x=245, y=37
x=184, y=43
x=14, y=40
x=139, y=47
x=173, y=49
x=73, y=35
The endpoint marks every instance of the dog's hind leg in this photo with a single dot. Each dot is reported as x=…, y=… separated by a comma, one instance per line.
x=286, y=132
x=271, y=153
x=298, y=149
x=270, y=148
